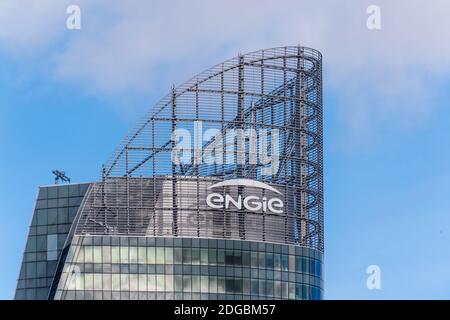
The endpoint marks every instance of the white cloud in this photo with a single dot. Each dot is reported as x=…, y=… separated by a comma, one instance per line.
x=125, y=46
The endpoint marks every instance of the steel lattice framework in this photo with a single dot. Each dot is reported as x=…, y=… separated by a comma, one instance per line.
x=144, y=192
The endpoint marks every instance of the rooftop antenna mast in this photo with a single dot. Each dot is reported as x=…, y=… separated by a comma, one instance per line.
x=60, y=176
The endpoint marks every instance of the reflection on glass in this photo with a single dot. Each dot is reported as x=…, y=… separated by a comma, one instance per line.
x=124, y=282
x=151, y=255
x=106, y=254
x=142, y=279
x=133, y=255
x=107, y=281
x=160, y=255
x=116, y=282
x=115, y=254
x=88, y=254
x=160, y=282
x=124, y=255
x=97, y=281
x=169, y=255
x=169, y=282
x=134, y=282
x=142, y=255
x=186, y=284
x=151, y=282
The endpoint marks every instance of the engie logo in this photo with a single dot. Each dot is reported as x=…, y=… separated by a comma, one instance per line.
x=252, y=203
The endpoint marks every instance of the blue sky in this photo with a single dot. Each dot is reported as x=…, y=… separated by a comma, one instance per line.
x=68, y=97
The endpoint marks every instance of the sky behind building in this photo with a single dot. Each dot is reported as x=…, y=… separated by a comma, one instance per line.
x=67, y=97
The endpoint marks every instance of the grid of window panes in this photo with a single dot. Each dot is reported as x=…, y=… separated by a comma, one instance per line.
x=182, y=268
x=55, y=209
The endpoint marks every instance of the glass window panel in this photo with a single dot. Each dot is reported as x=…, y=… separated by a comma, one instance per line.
x=88, y=281
x=284, y=262
x=213, y=284
x=292, y=263
x=298, y=264
x=106, y=281
x=151, y=255
x=237, y=258
x=277, y=289
x=133, y=255
x=160, y=282
x=52, y=216
x=305, y=267
x=160, y=255
x=52, y=192
x=97, y=281
x=291, y=290
x=229, y=285
x=204, y=283
x=195, y=283
x=63, y=215
x=142, y=255
x=42, y=193
x=229, y=258
x=178, y=283
x=262, y=260
x=262, y=287
x=187, y=255
x=255, y=288
x=124, y=255
x=178, y=255
x=246, y=286
x=169, y=282
x=246, y=259
x=41, y=243
x=238, y=285
x=52, y=247
x=143, y=282
x=41, y=269
x=151, y=282
x=31, y=244
x=284, y=290
x=204, y=256
x=134, y=282
x=97, y=250
x=195, y=256
x=78, y=279
x=115, y=254
x=73, y=280
x=169, y=255
x=88, y=257
x=124, y=282
x=220, y=285
x=187, y=284
x=269, y=260
x=277, y=261
x=212, y=257
x=254, y=258
x=41, y=217
x=312, y=266
x=116, y=282
x=106, y=254
x=220, y=256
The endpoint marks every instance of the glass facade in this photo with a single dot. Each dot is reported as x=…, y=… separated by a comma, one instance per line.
x=141, y=268
x=55, y=210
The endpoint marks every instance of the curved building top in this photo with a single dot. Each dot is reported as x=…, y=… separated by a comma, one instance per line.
x=235, y=153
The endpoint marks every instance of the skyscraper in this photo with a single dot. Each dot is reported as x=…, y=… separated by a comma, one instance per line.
x=216, y=194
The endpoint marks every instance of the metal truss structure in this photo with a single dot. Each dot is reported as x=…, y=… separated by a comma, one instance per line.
x=143, y=191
